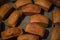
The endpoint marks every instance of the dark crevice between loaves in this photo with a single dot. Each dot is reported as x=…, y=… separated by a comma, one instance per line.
x=13, y=38
x=51, y=8
x=20, y=20
x=57, y=24
x=2, y=3
x=57, y=6
x=46, y=34
x=9, y=1
x=40, y=38
x=2, y=27
x=29, y=13
x=42, y=12
x=33, y=1
x=8, y=13
x=50, y=23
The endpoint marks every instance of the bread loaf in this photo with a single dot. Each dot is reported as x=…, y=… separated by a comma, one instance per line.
x=35, y=28
x=56, y=16
x=4, y=9
x=45, y=4
x=38, y=18
x=56, y=33
x=20, y=3
x=28, y=37
x=11, y=32
x=31, y=9
x=13, y=18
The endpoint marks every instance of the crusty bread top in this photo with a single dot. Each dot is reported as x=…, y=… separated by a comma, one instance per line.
x=35, y=28
x=28, y=37
x=39, y=18
x=20, y=3
x=11, y=32
x=45, y=4
x=4, y=9
x=56, y=15
x=32, y=8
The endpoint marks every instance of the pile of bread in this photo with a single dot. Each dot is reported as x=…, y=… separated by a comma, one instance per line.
x=36, y=29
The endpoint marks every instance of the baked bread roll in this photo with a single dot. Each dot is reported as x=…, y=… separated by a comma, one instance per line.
x=35, y=28
x=56, y=33
x=4, y=9
x=38, y=18
x=11, y=32
x=13, y=18
x=20, y=3
x=31, y=9
x=45, y=4
x=28, y=37
x=56, y=16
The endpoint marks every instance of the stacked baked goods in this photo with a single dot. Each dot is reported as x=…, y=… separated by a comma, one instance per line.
x=56, y=28
x=36, y=28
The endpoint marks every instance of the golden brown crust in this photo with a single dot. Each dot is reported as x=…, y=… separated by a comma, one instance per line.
x=45, y=4
x=13, y=18
x=56, y=16
x=56, y=33
x=31, y=9
x=4, y=9
x=20, y=3
x=38, y=18
x=12, y=32
x=35, y=29
x=28, y=37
